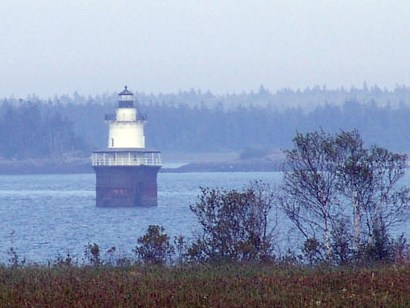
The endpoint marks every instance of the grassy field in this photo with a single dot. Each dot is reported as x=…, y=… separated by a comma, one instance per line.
x=204, y=286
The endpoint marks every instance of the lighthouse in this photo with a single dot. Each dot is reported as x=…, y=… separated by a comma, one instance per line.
x=126, y=172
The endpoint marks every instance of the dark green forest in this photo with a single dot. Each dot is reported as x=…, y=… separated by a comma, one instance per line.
x=195, y=121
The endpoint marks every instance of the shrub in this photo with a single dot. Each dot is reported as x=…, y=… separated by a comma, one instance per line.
x=235, y=224
x=154, y=246
x=92, y=254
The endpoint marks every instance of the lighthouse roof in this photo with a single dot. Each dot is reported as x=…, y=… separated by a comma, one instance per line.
x=125, y=92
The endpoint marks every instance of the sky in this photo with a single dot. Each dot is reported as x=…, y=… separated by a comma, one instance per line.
x=58, y=47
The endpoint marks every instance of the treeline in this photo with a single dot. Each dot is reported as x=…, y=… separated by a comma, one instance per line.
x=27, y=130
x=216, y=129
x=193, y=121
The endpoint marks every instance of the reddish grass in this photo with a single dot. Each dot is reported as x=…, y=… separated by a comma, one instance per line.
x=204, y=286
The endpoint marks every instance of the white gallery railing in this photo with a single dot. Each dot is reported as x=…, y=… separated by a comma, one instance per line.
x=126, y=159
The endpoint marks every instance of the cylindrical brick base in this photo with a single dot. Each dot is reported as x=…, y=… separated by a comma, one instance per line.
x=126, y=186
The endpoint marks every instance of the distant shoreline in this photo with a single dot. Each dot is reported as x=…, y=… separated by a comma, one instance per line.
x=47, y=166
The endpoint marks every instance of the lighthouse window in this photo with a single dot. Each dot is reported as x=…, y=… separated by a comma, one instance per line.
x=112, y=142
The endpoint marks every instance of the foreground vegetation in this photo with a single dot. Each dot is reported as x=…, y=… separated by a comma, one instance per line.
x=246, y=285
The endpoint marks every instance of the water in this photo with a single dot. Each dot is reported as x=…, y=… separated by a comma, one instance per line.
x=43, y=216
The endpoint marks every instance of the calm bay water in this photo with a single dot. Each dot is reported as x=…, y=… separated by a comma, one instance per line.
x=43, y=216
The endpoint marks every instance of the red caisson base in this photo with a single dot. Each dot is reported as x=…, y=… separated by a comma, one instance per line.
x=126, y=186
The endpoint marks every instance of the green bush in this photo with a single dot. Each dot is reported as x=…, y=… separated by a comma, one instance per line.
x=235, y=224
x=154, y=246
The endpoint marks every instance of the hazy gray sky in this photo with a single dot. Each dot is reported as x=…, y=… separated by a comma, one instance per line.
x=53, y=47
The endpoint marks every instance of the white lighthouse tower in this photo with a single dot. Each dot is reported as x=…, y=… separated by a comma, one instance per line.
x=126, y=173
x=126, y=130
